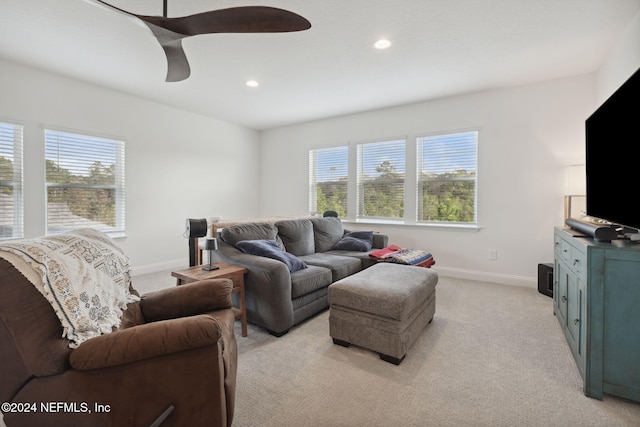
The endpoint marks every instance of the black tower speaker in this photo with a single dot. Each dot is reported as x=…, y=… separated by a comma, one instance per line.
x=545, y=279
x=194, y=228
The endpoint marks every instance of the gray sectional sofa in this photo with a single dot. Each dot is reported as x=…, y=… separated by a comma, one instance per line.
x=291, y=263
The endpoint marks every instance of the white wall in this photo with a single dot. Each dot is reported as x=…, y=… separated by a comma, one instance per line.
x=178, y=164
x=528, y=135
x=621, y=63
x=182, y=165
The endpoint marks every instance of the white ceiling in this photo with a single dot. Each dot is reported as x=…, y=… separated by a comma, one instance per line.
x=440, y=48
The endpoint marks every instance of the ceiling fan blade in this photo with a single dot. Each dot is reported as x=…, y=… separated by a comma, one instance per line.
x=245, y=19
x=178, y=68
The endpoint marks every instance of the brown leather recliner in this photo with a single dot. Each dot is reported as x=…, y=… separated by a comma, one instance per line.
x=174, y=356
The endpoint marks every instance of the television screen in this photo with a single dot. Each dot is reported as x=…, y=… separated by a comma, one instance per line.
x=613, y=157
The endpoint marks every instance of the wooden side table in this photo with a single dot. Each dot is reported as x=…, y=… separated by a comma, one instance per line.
x=226, y=271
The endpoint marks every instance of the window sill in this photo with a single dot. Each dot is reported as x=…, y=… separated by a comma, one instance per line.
x=465, y=228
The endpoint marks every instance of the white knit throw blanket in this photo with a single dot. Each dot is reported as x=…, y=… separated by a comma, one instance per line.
x=83, y=274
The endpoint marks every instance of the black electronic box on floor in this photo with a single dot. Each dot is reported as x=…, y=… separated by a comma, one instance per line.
x=545, y=279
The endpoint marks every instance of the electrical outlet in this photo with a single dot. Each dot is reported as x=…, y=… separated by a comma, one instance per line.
x=493, y=254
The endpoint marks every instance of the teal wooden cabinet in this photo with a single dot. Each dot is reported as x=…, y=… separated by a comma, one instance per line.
x=570, y=298
x=596, y=299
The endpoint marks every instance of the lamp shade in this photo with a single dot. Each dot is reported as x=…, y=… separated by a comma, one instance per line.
x=576, y=180
x=211, y=244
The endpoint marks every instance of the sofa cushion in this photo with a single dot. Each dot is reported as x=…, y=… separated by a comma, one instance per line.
x=297, y=236
x=309, y=280
x=271, y=249
x=361, y=241
x=365, y=260
x=327, y=232
x=252, y=231
x=340, y=266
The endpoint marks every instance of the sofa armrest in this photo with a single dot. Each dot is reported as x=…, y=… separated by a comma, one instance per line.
x=145, y=342
x=380, y=241
x=264, y=275
x=269, y=277
x=187, y=300
x=267, y=288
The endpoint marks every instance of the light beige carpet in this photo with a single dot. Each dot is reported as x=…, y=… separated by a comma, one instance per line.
x=493, y=356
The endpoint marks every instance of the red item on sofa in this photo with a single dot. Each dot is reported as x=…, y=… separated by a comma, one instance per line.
x=404, y=256
x=385, y=252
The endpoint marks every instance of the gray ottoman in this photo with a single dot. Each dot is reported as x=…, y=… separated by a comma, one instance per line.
x=383, y=308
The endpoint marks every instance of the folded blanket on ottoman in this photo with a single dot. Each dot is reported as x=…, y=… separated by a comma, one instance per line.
x=398, y=255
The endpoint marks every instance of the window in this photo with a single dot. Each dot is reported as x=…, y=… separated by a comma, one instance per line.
x=328, y=173
x=433, y=182
x=447, y=178
x=85, y=183
x=380, y=180
x=11, y=196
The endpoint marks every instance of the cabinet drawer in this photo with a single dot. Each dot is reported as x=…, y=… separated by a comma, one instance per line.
x=565, y=252
x=575, y=257
x=579, y=263
x=557, y=245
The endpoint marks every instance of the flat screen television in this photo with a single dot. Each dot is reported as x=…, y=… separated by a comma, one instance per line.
x=613, y=157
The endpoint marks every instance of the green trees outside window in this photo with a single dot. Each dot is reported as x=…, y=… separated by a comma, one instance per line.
x=91, y=197
x=447, y=197
x=445, y=187
x=85, y=182
x=383, y=194
x=11, y=194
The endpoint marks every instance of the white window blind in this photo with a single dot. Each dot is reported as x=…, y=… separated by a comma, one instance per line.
x=11, y=194
x=85, y=183
x=447, y=178
x=328, y=174
x=380, y=180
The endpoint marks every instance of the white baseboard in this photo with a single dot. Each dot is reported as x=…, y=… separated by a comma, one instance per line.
x=503, y=279
x=458, y=273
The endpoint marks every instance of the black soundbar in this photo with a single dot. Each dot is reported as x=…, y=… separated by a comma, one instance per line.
x=599, y=232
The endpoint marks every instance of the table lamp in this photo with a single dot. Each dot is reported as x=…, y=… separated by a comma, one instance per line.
x=210, y=245
x=575, y=190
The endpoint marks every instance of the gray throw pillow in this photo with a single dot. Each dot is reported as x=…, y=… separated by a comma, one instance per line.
x=271, y=249
x=360, y=241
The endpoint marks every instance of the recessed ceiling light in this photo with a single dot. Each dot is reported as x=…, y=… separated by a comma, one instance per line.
x=382, y=44
x=252, y=83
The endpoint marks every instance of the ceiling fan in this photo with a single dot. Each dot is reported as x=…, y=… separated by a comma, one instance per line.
x=245, y=19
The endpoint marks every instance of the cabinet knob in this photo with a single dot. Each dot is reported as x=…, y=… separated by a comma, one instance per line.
x=576, y=261
x=576, y=321
x=563, y=298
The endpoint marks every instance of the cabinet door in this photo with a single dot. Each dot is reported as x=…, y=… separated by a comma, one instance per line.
x=622, y=323
x=560, y=291
x=574, y=304
x=581, y=326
